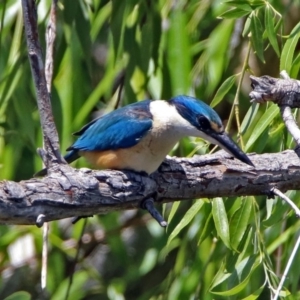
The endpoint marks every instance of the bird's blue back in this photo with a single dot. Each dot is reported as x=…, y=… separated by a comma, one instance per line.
x=122, y=128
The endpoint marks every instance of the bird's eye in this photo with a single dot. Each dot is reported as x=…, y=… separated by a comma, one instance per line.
x=204, y=124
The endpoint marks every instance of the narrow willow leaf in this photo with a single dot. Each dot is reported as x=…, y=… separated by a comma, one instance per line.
x=247, y=28
x=255, y=294
x=239, y=222
x=119, y=14
x=99, y=20
x=217, y=47
x=239, y=278
x=278, y=211
x=262, y=124
x=269, y=207
x=239, y=4
x=269, y=24
x=95, y=95
x=223, y=90
x=221, y=220
x=234, y=13
x=179, y=55
x=249, y=117
x=282, y=238
x=174, y=208
x=251, y=3
x=295, y=67
x=288, y=50
x=207, y=229
x=187, y=218
x=257, y=3
x=257, y=37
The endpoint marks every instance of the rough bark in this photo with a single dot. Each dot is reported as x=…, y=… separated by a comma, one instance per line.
x=69, y=192
x=284, y=92
x=51, y=141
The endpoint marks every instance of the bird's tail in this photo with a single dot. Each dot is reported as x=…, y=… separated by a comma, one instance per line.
x=69, y=157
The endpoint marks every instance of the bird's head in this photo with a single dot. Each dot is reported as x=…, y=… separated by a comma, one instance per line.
x=208, y=125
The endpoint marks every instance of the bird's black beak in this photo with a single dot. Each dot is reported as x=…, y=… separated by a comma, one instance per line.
x=225, y=142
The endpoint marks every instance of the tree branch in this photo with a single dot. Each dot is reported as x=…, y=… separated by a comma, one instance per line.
x=69, y=192
x=285, y=93
x=51, y=141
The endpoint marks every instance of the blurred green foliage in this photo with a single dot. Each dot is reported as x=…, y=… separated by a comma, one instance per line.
x=233, y=248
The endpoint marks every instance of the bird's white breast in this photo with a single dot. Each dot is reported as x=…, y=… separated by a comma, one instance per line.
x=166, y=118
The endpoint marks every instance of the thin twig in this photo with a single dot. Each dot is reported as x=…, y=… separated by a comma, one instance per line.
x=49, y=62
x=287, y=116
x=284, y=74
x=37, y=68
x=290, y=123
x=235, y=107
x=287, y=200
x=287, y=268
x=50, y=42
x=44, y=256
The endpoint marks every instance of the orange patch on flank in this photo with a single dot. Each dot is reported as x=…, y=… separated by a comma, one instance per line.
x=108, y=159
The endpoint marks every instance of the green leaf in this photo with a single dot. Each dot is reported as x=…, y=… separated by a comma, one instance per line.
x=118, y=16
x=187, y=218
x=77, y=290
x=249, y=117
x=215, y=57
x=255, y=294
x=257, y=37
x=22, y=295
x=269, y=24
x=295, y=67
x=269, y=206
x=102, y=16
x=239, y=4
x=174, y=208
x=262, y=124
x=279, y=208
x=207, y=229
x=234, y=13
x=223, y=90
x=247, y=27
x=282, y=238
x=251, y=3
x=179, y=56
x=288, y=50
x=221, y=220
x=239, y=222
x=95, y=95
x=239, y=278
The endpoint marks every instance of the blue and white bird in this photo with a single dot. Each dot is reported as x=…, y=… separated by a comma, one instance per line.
x=139, y=136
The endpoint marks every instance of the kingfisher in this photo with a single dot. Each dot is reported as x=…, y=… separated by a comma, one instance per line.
x=139, y=136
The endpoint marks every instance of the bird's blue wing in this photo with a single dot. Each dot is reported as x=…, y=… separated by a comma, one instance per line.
x=122, y=128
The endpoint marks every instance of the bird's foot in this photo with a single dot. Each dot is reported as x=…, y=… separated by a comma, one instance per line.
x=148, y=204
